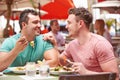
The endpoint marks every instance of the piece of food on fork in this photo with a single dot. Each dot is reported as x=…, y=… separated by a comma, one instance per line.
x=68, y=62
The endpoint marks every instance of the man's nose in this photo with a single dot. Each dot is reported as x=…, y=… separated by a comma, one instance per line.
x=66, y=26
x=39, y=25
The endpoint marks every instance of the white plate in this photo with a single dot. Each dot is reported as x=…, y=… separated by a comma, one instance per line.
x=15, y=70
x=61, y=72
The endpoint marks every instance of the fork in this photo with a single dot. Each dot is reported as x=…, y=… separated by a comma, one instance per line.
x=69, y=63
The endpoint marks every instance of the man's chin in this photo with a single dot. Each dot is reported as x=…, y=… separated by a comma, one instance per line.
x=37, y=34
x=71, y=36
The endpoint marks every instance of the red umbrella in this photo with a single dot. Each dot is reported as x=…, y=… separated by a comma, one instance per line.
x=57, y=9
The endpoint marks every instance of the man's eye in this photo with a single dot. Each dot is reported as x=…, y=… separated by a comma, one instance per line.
x=68, y=23
x=35, y=22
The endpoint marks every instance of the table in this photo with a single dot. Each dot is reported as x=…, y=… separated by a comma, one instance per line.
x=10, y=74
x=10, y=78
x=24, y=77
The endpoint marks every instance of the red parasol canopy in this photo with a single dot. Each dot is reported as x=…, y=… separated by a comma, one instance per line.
x=57, y=9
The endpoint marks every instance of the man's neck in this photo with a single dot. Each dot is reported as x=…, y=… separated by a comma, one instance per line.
x=54, y=32
x=28, y=37
x=84, y=37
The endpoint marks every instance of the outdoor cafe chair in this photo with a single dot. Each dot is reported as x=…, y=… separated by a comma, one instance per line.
x=100, y=76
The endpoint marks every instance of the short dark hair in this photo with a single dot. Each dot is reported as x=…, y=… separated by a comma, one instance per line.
x=100, y=22
x=52, y=21
x=83, y=14
x=24, y=16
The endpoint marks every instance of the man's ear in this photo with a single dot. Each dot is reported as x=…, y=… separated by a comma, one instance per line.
x=80, y=23
x=23, y=24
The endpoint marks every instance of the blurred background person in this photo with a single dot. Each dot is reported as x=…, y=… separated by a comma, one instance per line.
x=102, y=30
x=55, y=28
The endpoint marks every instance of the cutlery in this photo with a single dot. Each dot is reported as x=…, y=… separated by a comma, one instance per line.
x=69, y=63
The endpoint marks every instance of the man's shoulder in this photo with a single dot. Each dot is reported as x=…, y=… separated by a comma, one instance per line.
x=98, y=37
x=9, y=43
x=40, y=39
x=60, y=34
x=14, y=37
x=39, y=36
x=73, y=42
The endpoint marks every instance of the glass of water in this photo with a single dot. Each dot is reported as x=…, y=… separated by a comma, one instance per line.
x=30, y=69
x=44, y=70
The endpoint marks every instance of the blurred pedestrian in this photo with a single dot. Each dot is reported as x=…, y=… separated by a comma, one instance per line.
x=55, y=31
x=101, y=30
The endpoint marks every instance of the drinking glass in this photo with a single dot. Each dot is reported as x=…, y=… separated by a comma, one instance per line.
x=30, y=69
x=44, y=70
